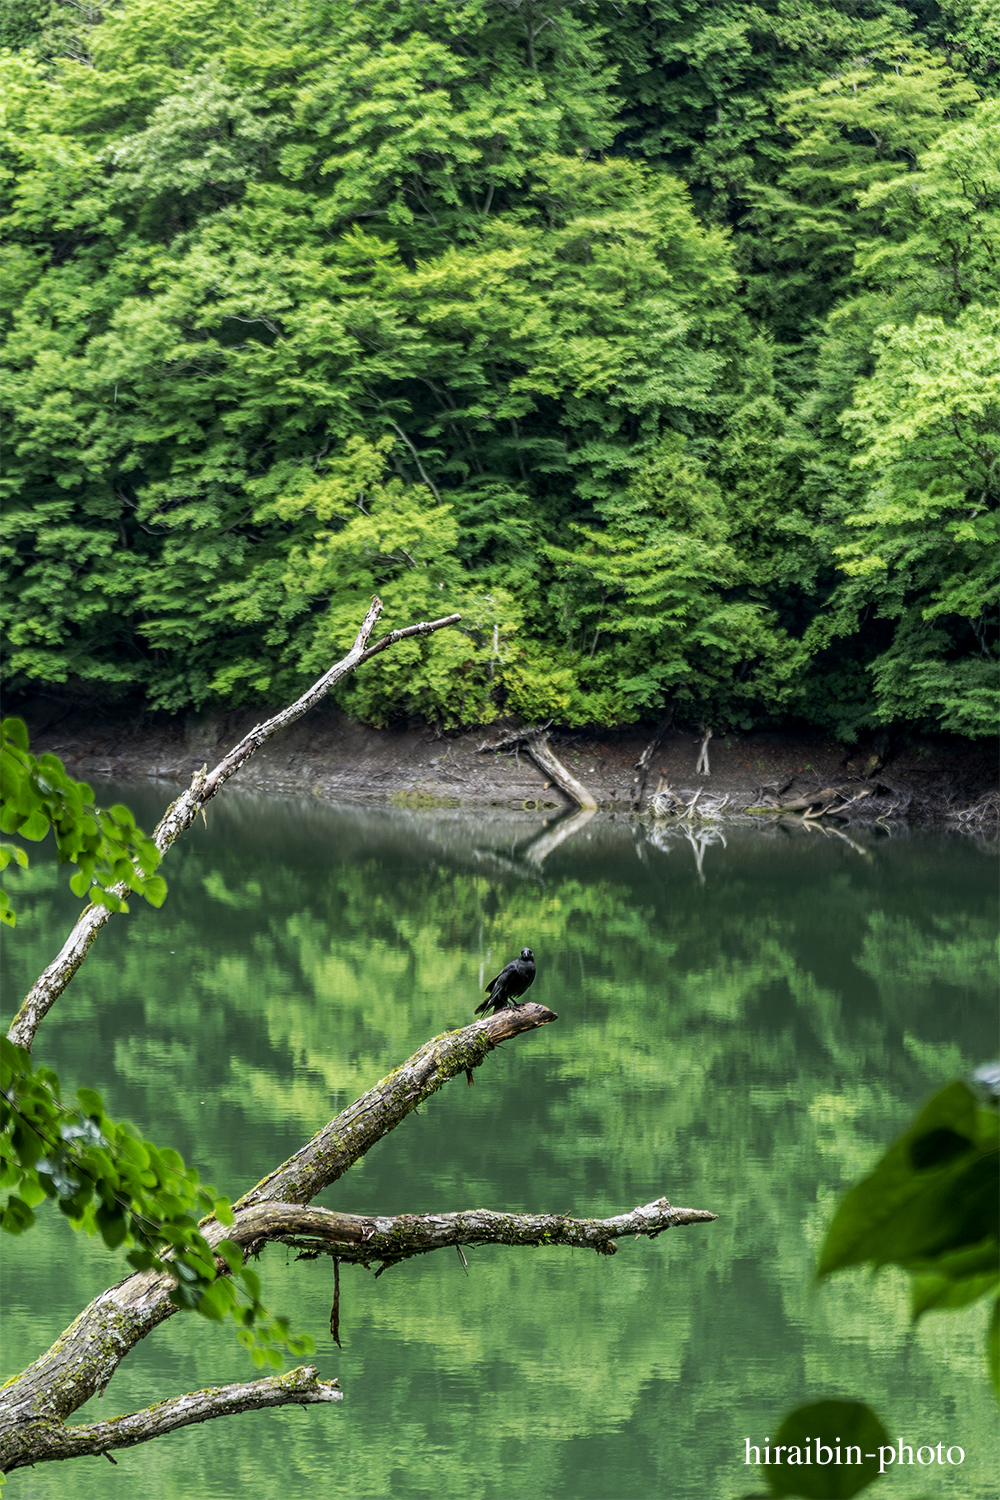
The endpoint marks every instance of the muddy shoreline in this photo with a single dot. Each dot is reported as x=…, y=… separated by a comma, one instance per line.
x=328, y=756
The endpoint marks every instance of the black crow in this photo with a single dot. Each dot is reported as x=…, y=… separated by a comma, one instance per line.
x=511, y=982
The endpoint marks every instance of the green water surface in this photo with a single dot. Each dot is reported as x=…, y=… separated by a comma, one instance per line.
x=743, y=1037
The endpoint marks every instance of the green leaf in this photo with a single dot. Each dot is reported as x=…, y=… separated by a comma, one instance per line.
x=91, y=1102
x=154, y=890
x=217, y=1300
x=830, y=1442
x=930, y=1194
x=16, y=1216
x=112, y=1224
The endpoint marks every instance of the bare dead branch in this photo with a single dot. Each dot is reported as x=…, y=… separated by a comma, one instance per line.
x=84, y=1358
x=702, y=768
x=645, y=760
x=182, y=813
x=349, y=1237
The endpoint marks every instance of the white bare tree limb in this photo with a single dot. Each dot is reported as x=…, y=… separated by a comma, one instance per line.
x=181, y=814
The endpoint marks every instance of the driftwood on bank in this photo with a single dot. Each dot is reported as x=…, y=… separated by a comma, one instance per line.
x=182, y=813
x=35, y=1405
x=830, y=799
x=535, y=741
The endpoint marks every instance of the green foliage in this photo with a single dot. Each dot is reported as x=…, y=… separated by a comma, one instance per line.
x=849, y=133
x=926, y=429
x=37, y=795
x=661, y=587
x=236, y=271
x=135, y=1195
x=930, y=1207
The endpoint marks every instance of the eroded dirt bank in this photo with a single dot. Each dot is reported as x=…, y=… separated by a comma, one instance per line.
x=330, y=757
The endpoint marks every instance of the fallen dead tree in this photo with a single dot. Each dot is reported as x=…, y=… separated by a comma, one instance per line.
x=535, y=743
x=183, y=812
x=35, y=1406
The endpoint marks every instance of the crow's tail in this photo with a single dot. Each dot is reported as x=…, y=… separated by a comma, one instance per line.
x=487, y=1004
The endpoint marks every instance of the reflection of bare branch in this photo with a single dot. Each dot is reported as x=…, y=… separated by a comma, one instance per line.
x=699, y=843
x=542, y=847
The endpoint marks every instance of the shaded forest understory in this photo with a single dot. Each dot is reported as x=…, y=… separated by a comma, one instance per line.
x=660, y=340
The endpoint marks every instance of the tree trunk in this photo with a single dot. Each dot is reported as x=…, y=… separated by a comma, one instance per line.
x=645, y=760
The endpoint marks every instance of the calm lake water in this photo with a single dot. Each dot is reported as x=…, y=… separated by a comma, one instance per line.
x=741, y=1028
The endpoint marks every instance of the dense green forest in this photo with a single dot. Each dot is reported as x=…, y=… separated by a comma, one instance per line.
x=660, y=339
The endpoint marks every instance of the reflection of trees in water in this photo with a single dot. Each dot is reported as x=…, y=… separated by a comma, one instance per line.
x=751, y=1043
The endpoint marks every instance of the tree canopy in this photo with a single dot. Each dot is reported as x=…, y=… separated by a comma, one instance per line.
x=658, y=341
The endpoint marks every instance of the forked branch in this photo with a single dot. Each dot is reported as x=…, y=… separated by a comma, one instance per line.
x=86, y=1356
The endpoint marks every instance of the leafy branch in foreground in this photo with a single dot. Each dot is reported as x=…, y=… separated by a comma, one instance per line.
x=108, y=848
x=110, y=1182
x=929, y=1206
